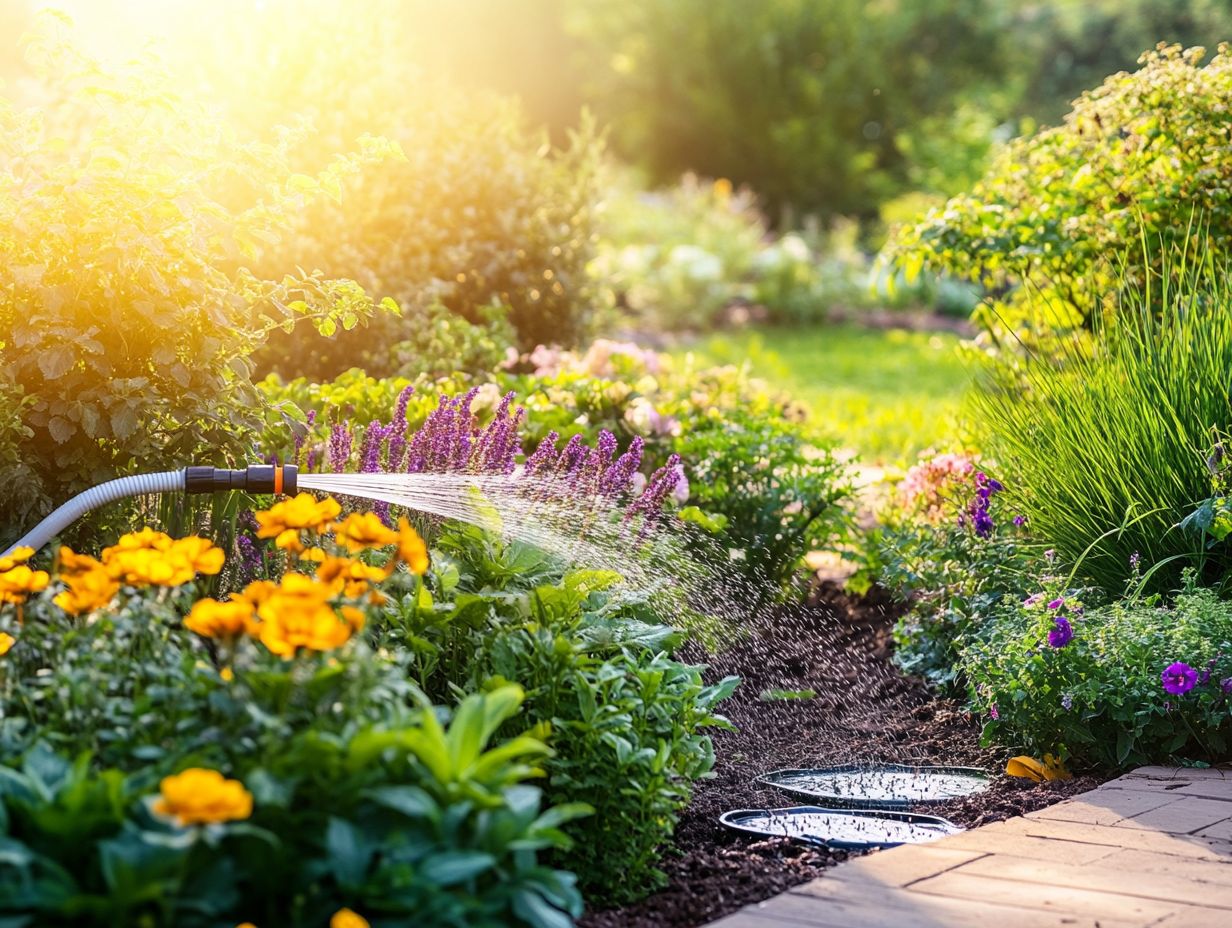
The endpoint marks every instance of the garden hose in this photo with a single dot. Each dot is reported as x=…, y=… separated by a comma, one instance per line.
x=256, y=478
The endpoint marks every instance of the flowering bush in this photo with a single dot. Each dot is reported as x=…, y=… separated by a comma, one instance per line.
x=1129, y=683
x=290, y=722
x=949, y=547
x=768, y=490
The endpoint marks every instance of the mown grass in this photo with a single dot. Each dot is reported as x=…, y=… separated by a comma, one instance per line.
x=887, y=394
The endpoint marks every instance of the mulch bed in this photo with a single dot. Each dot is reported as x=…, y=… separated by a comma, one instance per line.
x=863, y=710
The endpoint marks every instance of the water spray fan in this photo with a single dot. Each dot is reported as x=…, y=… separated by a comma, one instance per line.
x=255, y=478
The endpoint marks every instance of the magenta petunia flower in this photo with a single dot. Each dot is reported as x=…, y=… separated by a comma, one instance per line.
x=1179, y=678
x=993, y=713
x=1062, y=633
x=1056, y=603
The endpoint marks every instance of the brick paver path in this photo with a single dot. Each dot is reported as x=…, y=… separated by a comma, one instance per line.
x=1151, y=848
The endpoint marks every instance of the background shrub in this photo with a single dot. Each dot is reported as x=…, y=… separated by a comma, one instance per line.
x=126, y=328
x=1066, y=210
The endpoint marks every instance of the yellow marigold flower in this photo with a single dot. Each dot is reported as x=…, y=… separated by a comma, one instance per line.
x=212, y=619
x=411, y=548
x=149, y=567
x=313, y=554
x=227, y=674
x=87, y=589
x=354, y=617
x=298, y=615
x=201, y=554
x=145, y=540
x=359, y=531
x=258, y=591
x=289, y=540
x=71, y=563
x=304, y=511
x=349, y=577
x=17, y=556
x=200, y=797
x=6, y=642
x=345, y=918
x=19, y=582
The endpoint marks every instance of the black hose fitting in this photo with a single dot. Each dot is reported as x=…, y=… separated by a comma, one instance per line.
x=255, y=478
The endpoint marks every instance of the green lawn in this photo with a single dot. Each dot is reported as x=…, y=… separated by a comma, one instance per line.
x=888, y=394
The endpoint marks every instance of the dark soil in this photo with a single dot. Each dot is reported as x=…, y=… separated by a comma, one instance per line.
x=863, y=710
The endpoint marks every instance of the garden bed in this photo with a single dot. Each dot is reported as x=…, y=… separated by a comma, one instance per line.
x=864, y=710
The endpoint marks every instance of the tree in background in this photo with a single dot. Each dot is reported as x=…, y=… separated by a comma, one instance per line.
x=807, y=102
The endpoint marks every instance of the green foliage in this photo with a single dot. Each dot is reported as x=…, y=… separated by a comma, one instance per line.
x=1104, y=445
x=780, y=496
x=483, y=211
x=953, y=578
x=627, y=722
x=1100, y=699
x=1139, y=157
x=805, y=102
x=413, y=820
x=126, y=316
x=478, y=214
x=1066, y=48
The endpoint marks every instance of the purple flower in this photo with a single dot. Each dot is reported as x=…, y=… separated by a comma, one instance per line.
x=545, y=456
x=993, y=713
x=1226, y=684
x=339, y=448
x=1067, y=702
x=1020, y=521
x=618, y=477
x=1032, y=600
x=1134, y=560
x=1050, y=555
x=1179, y=678
x=1062, y=632
x=1057, y=603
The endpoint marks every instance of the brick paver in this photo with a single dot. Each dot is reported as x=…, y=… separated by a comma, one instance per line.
x=1152, y=848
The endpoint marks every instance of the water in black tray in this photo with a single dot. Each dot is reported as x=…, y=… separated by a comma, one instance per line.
x=841, y=828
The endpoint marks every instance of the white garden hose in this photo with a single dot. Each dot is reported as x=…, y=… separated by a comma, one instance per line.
x=258, y=478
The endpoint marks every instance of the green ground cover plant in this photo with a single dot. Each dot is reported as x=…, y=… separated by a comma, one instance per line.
x=1132, y=682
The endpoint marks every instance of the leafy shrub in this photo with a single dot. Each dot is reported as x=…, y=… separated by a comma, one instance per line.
x=409, y=821
x=1106, y=442
x=628, y=722
x=1108, y=692
x=947, y=547
x=780, y=497
x=482, y=212
x=125, y=327
x=1138, y=158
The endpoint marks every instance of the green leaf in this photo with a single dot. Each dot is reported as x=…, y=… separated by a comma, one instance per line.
x=453, y=867
x=348, y=851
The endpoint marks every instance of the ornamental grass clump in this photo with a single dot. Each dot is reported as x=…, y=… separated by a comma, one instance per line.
x=1107, y=441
